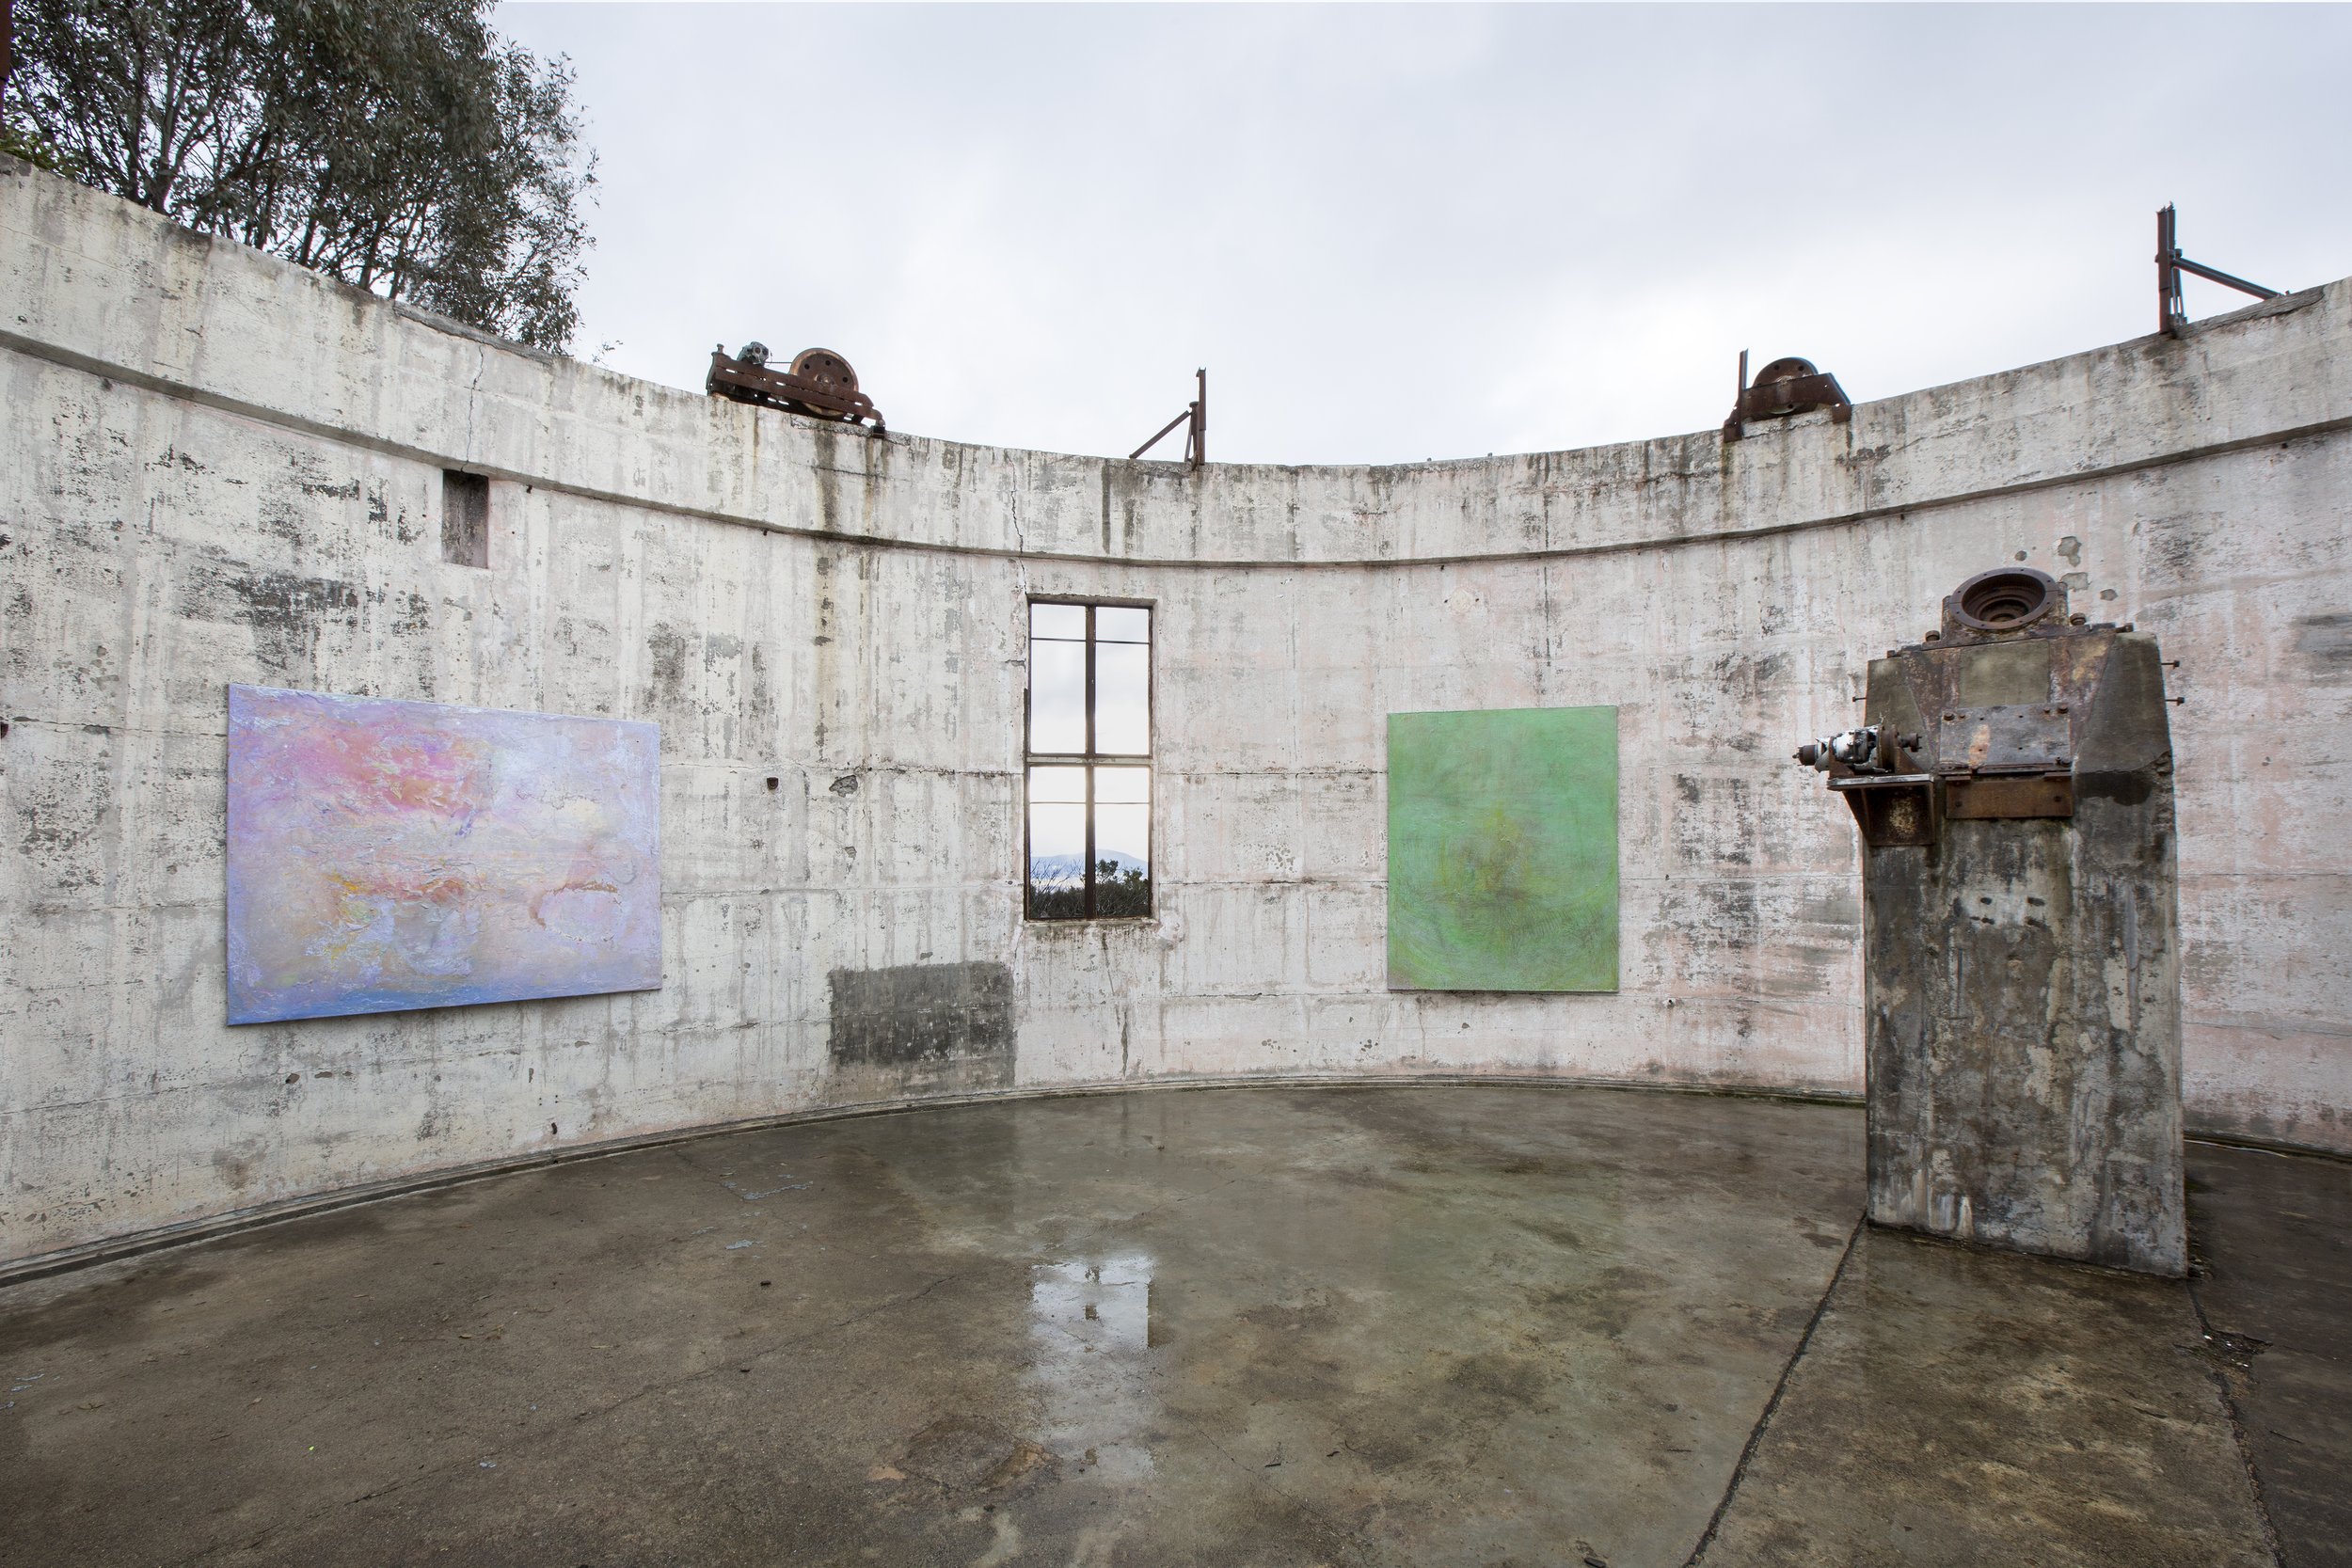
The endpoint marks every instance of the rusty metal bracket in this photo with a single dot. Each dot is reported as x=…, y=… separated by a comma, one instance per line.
x=1784, y=387
x=2171, y=313
x=1894, y=809
x=1197, y=439
x=821, y=384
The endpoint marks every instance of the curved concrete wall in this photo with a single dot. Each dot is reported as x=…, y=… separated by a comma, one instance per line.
x=221, y=468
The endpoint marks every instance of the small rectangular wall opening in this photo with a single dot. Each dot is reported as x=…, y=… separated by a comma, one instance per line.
x=465, y=518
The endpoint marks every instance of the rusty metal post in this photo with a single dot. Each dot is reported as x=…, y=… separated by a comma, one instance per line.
x=1201, y=421
x=2170, y=314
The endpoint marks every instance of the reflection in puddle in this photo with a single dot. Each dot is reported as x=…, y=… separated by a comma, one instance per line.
x=1090, y=1335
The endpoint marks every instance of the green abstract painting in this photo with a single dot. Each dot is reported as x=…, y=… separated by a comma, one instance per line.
x=1503, y=849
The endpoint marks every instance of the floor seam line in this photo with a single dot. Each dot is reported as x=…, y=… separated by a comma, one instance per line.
x=2237, y=1429
x=1755, y=1435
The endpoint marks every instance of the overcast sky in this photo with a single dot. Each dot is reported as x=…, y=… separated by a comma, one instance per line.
x=1395, y=232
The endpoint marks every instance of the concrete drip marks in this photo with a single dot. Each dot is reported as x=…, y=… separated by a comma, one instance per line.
x=1440, y=1326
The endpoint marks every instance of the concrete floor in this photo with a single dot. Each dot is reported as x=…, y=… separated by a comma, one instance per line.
x=1378, y=1325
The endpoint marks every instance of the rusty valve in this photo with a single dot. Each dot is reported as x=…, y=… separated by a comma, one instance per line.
x=1856, y=747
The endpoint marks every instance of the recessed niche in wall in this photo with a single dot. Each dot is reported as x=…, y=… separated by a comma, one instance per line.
x=465, y=518
x=1503, y=851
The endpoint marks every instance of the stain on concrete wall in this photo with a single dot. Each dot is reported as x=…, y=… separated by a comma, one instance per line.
x=2326, y=641
x=915, y=1029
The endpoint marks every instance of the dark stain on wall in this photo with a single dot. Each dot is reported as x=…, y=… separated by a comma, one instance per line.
x=666, y=653
x=1715, y=821
x=286, y=612
x=921, y=1029
x=2327, y=641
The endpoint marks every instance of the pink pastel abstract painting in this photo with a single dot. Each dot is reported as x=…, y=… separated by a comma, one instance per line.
x=386, y=855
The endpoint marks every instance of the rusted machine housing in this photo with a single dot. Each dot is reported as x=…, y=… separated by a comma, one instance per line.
x=2013, y=782
x=1785, y=387
x=821, y=384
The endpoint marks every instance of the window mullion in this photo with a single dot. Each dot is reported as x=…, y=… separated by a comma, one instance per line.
x=1087, y=870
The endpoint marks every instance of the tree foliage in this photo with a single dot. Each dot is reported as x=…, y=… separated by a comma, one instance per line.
x=402, y=147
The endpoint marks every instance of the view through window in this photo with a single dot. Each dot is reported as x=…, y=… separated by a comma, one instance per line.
x=1090, y=757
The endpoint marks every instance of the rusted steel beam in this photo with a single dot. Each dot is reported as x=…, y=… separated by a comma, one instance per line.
x=1161, y=432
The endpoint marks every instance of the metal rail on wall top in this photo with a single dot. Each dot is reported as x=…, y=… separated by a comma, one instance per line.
x=1197, y=439
x=2171, y=314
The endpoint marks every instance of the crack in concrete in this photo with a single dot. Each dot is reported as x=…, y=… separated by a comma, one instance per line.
x=2213, y=1369
x=1756, y=1436
x=473, y=396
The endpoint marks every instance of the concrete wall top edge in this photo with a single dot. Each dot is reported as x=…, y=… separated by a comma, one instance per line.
x=109, y=288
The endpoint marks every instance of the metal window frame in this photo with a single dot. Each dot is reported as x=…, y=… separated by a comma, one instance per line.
x=1090, y=759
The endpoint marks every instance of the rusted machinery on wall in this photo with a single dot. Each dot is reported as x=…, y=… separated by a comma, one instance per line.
x=1783, y=388
x=2012, y=784
x=821, y=384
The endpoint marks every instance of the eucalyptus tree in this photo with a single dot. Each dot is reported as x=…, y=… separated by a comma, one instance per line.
x=404, y=147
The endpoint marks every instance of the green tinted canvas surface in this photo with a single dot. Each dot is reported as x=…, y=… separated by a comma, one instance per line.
x=1503, y=851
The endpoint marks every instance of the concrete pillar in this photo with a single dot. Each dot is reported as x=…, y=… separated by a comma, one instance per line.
x=2013, y=787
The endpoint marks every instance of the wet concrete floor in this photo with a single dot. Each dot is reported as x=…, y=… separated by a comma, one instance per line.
x=1366, y=1325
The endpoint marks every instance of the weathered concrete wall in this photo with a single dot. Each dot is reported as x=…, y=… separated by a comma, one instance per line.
x=218, y=469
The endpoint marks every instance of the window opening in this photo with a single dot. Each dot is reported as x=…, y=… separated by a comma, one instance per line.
x=1089, y=761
